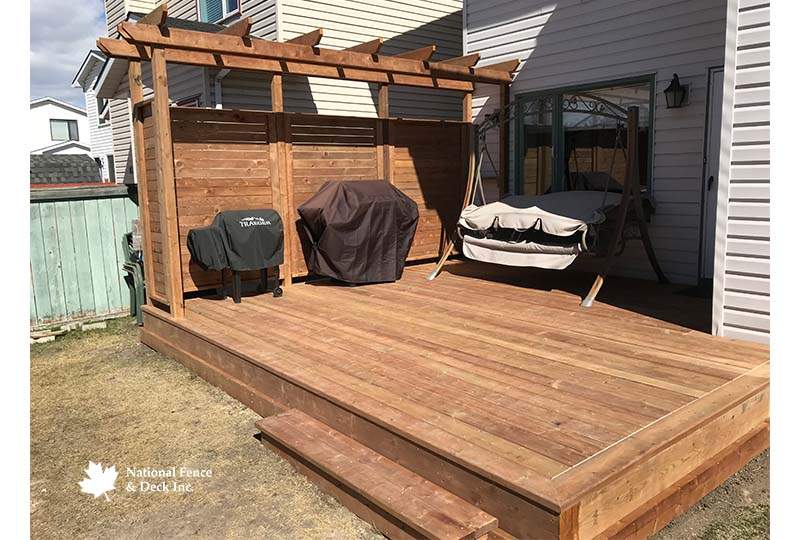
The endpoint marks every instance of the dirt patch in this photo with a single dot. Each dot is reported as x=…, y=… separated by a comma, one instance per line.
x=736, y=510
x=102, y=396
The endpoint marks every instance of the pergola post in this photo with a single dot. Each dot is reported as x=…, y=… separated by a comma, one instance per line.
x=466, y=107
x=383, y=153
x=140, y=168
x=276, y=92
x=166, y=173
x=383, y=101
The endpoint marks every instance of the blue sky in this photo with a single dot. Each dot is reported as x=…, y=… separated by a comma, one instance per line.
x=62, y=32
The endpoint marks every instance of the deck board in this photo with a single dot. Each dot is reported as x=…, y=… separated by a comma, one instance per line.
x=504, y=376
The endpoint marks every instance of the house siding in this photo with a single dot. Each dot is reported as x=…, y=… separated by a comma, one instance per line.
x=742, y=264
x=100, y=136
x=403, y=25
x=576, y=42
x=184, y=82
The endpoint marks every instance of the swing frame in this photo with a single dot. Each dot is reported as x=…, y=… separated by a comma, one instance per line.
x=630, y=210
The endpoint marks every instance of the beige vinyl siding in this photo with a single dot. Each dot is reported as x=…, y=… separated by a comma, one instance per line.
x=115, y=14
x=264, y=17
x=405, y=25
x=182, y=9
x=243, y=89
x=574, y=43
x=742, y=272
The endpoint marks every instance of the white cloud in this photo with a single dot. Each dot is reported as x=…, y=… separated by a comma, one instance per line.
x=62, y=32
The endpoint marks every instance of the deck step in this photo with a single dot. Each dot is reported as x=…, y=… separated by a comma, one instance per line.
x=397, y=501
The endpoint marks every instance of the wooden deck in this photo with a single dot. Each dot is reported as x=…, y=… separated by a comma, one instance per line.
x=493, y=383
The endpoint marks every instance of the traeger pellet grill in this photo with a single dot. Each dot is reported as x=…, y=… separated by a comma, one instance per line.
x=241, y=240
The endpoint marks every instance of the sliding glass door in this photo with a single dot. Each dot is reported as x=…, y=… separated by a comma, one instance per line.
x=572, y=138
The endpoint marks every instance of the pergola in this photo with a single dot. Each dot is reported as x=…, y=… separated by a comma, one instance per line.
x=233, y=47
x=168, y=201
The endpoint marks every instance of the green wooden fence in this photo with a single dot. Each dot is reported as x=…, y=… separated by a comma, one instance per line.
x=76, y=253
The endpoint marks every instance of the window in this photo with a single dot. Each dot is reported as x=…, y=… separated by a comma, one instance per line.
x=216, y=10
x=102, y=111
x=560, y=135
x=193, y=101
x=64, y=130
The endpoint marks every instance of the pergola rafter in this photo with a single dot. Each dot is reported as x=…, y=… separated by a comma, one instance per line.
x=300, y=56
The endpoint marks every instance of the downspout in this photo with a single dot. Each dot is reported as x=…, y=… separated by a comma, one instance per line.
x=218, y=87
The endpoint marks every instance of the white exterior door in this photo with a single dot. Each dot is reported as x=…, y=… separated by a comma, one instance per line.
x=714, y=113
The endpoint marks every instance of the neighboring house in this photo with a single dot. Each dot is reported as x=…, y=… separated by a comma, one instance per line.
x=98, y=112
x=707, y=162
x=57, y=127
x=403, y=26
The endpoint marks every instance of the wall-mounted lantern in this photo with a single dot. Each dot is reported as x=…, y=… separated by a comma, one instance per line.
x=675, y=93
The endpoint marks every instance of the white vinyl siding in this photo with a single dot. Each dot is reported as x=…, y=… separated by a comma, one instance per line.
x=100, y=136
x=404, y=26
x=575, y=42
x=742, y=277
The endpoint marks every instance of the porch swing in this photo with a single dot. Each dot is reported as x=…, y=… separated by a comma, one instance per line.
x=594, y=216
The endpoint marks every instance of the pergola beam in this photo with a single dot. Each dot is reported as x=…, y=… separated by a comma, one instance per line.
x=289, y=52
x=309, y=39
x=240, y=28
x=157, y=17
x=468, y=60
x=368, y=47
x=121, y=49
x=509, y=66
x=423, y=53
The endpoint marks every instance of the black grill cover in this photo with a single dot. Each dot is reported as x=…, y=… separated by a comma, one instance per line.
x=207, y=248
x=253, y=239
x=359, y=231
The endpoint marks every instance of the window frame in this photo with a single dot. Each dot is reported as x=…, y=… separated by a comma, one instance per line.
x=558, y=126
x=69, y=131
x=225, y=16
x=103, y=112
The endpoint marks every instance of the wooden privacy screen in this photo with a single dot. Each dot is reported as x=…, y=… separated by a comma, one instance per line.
x=225, y=159
x=151, y=219
x=222, y=162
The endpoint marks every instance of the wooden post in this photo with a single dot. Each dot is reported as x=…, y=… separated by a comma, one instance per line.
x=502, y=177
x=166, y=171
x=382, y=132
x=276, y=92
x=284, y=124
x=280, y=197
x=137, y=95
x=466, y=107
x=383, y=101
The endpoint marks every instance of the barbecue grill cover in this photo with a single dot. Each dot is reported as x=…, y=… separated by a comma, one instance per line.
x=359, y=231
x=253, y=238
x=207, y=248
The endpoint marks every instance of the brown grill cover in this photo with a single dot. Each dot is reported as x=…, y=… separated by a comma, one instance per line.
x=358, y=231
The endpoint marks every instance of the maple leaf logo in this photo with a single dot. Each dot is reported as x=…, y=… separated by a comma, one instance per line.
x=99, y=480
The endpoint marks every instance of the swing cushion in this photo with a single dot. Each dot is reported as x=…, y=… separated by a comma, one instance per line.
x=558, y=216
x=562, y=213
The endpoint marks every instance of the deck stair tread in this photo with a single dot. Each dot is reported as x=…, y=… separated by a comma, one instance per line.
x=431, y=511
